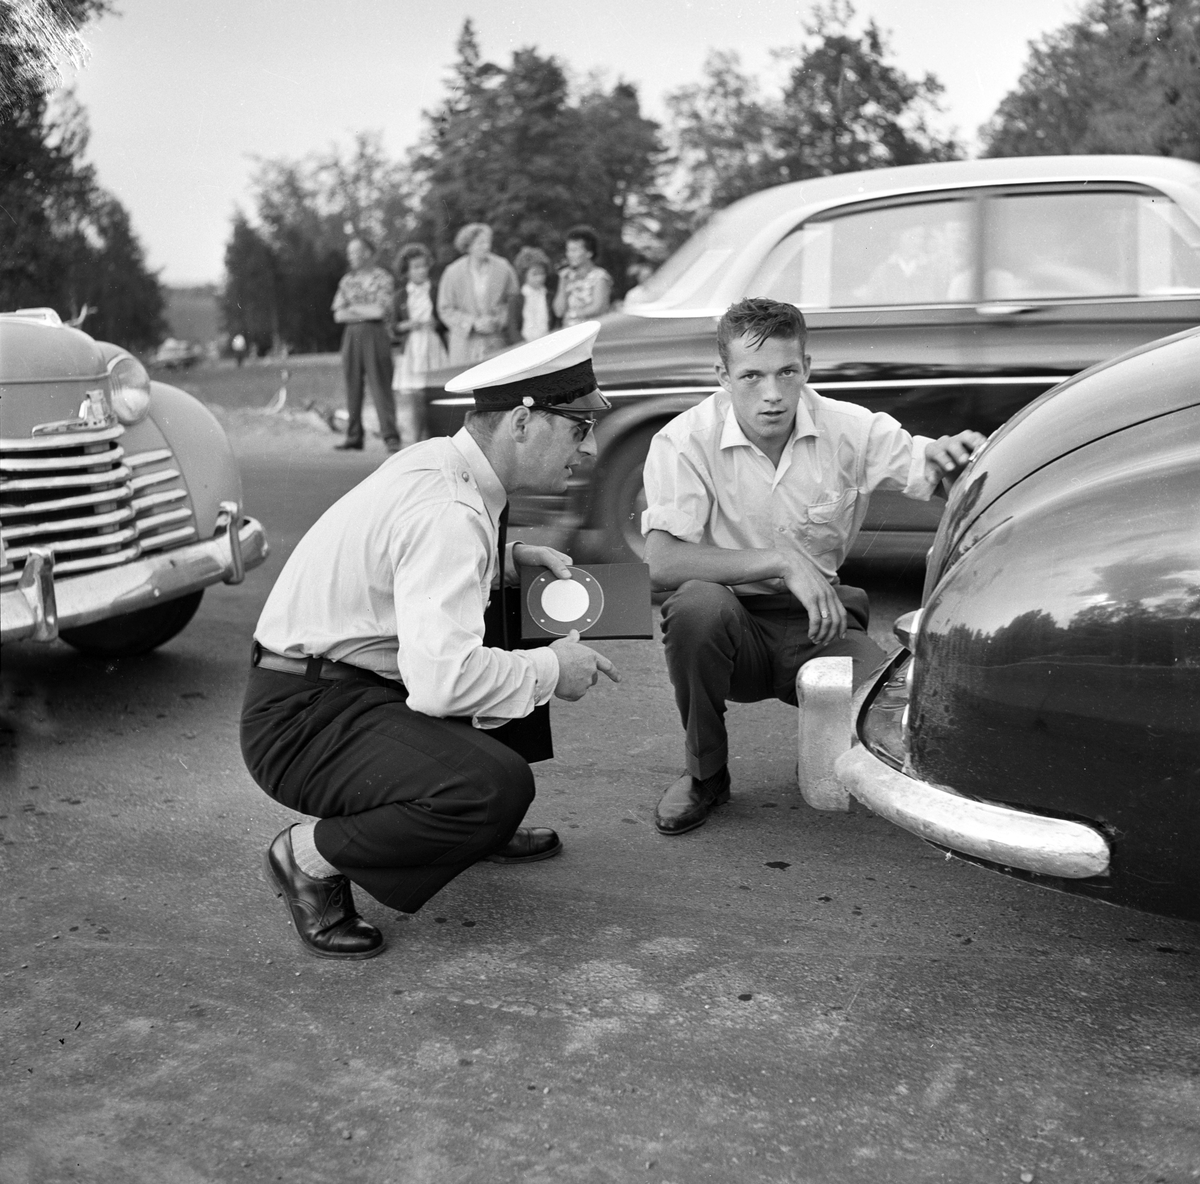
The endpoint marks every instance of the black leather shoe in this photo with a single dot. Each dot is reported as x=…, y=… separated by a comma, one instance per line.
x=687, y=804
x=528, y=845
x=322, y=909
x=348, y=446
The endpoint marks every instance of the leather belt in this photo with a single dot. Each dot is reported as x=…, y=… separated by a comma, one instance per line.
x=310, y=668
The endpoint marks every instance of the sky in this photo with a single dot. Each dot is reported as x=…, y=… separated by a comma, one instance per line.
x=183, y=96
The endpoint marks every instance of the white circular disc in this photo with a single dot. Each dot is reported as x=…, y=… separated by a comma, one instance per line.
x=564, y=600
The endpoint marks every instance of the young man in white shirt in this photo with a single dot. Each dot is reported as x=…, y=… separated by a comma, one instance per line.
x=754, y=498
x=379, y=701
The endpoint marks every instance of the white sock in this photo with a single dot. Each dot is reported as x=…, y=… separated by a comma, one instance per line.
x=308, y=859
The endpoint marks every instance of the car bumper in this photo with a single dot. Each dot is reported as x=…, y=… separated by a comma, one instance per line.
x=997, y=834
x=39, y=606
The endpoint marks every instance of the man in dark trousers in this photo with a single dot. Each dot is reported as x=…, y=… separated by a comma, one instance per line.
x=754, y=497
x=376, y=703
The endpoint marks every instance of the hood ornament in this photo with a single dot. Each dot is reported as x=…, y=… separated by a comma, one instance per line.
x=94, y=412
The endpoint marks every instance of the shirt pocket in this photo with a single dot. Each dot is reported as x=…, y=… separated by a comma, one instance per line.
x=825, y=523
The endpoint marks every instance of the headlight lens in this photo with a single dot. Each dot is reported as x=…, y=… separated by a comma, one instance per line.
x=130, y=389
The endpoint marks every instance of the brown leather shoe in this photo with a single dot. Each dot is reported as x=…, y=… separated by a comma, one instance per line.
x=528, y=845
x=687, y=804
x=322, y=909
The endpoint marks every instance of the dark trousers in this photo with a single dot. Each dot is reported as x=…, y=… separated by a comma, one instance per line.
x=367, y=357
x=406, y=801
x=724, y=648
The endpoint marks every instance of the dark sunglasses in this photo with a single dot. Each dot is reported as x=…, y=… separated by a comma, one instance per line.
x=583, y=426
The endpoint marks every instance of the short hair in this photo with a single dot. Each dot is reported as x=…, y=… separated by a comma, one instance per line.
x=587, y=236
x=468, y=234
x=528, y=257
x=408, y=253
x=758, y=319
x=485, y=424
x=362, y=238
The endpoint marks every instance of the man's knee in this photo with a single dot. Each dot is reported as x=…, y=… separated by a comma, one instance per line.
x=508, y=785
x=696, y=608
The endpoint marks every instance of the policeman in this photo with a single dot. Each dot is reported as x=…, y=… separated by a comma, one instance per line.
x=380, y=701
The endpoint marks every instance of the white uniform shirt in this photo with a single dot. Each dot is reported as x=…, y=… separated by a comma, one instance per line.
x=394, y=577
x=707, y=483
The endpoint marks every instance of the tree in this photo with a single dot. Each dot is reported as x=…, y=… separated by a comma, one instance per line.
x=1124, y=77
x=248, y=299
x=35, y=35
x=842, y=108
x=516, y=149
x=64, y=241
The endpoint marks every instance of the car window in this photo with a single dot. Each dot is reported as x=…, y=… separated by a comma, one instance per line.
x=1070, y=245
x=914, y=253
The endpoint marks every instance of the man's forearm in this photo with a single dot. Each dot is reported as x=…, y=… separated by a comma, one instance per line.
x=673, y=562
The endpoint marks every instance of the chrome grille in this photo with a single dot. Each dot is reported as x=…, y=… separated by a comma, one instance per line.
x=79, y=494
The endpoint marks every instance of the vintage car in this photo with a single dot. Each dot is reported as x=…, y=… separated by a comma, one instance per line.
x=120, y=500
x=949, y=295
x=1043, y=718
x=175, y=354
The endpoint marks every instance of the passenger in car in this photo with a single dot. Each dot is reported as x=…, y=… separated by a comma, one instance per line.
x=382, y=700
x=754, y=498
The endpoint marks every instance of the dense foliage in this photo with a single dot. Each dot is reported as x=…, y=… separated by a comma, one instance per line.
x=1124, y=77
x=65, y=242
x=842, y=108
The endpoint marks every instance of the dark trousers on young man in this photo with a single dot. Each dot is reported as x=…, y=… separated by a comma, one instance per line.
x=367, y=358
x=723, y=648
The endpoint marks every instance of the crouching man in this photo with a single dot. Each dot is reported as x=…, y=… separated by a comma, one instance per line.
x=376, y=703
x=754, y=498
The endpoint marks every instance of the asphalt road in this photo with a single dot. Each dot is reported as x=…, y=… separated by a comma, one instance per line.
x=782, y=995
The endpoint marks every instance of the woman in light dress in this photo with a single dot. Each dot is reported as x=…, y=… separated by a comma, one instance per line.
x=421, y=337
x=473, y=297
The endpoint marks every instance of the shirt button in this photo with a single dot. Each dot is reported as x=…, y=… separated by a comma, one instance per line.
x=465, y=477
x=783, y=530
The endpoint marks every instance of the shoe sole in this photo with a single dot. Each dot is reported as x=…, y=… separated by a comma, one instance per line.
x=274, y=885
x=721, y=799
x=550, y=854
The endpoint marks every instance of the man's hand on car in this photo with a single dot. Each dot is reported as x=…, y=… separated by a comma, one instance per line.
x=949, y=454
x=579, y=666
x=826, y=614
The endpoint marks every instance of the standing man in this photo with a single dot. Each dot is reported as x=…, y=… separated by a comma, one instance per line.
x=364, y=304
x=376, y=703
x=754, y=498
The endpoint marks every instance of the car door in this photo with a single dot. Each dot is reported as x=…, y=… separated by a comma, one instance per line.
x=1074, y=274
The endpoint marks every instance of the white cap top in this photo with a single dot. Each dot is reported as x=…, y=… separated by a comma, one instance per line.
x=544, y=355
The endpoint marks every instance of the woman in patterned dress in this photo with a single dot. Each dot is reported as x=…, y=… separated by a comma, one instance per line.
x=584, y=287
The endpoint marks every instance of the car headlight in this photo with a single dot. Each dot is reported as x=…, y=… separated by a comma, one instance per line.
x=130, y=389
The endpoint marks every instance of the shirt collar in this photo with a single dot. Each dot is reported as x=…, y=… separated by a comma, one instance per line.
x=494, y=496
x=732, y=435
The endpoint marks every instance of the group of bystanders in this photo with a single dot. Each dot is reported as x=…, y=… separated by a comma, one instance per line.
x=479, y=305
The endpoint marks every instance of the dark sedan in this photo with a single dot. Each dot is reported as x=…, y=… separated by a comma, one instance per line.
x=949, y=295
x=1045, y=717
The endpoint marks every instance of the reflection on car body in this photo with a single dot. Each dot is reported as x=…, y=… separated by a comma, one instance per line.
x=949, y=295
x=120, y=499
x=1044, y=717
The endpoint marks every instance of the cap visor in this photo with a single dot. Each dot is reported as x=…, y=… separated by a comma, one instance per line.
x=592, y=401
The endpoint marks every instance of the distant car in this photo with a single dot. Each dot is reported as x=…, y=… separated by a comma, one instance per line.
x=120, y=499
x=174, y=354
x=1044, y=717
x=949, y=295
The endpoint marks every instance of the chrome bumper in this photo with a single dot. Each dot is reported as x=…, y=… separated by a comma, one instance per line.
x=998, y=834
x=38, y=607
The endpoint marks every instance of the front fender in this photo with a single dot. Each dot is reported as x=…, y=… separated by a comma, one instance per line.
x=202, y=452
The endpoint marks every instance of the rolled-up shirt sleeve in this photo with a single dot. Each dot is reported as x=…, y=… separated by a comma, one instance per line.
x=678, y=499
x=441, y=556
x=895, y=460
